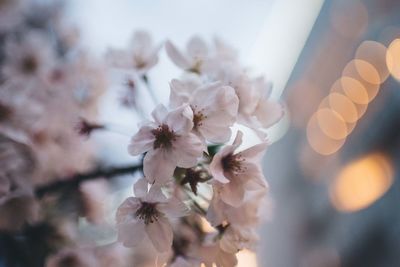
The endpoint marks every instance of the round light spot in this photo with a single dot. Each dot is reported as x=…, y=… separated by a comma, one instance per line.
x=332, y=124
x=361, y=183
x=393, y=58
x=375, y=54
x=319, y=141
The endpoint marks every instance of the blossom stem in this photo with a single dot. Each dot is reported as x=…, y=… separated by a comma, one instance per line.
x=150, y=89
x=77, y=179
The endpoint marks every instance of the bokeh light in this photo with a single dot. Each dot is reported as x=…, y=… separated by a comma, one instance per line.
x=361, y=183
x=247, y=258
x=319, y=141
x=375, y=54
x=365, y=74
x=331, y=123
x=353, y=89
x=393, y=58
x=342, y=105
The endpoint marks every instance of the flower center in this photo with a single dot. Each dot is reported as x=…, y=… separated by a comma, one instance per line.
x=29, y=64
x=5, y=112
x=164, y=137
x=233, y=163
x=148, y=212
x=198, y=118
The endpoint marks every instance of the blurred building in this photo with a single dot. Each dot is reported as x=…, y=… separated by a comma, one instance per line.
x=334, y=177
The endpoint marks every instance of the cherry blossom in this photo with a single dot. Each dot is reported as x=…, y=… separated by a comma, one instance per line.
x=148, y=214
x=141, y=54
x=234, y=173
x=193, y=58
x=168, y=142
x=214, y=108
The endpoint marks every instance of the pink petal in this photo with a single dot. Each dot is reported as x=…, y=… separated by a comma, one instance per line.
x=174, y=208
x=180, y=120
x=142, y=141
x=155, y=194
x=160, y=234
x=232, y=193
x=255, y=153
x=238, y=140
x=131, y=234
x=269, y=112
x=140, y=188
x=159, y=113
x=216, y=168
x=176, y=56
x=188, y=149
x=159, y=166
x=197, y=48
x=180, y=93
x=127, y=209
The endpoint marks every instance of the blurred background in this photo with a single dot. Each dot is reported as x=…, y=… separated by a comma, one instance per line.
x=332, y=165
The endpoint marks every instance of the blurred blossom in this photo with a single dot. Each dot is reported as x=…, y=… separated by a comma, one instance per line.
x=140, y=56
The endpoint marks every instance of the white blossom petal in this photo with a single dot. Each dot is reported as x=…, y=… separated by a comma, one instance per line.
x=142, y=141
x=269, y=112
x=180, y=120
x=197, y=48
x=160, y=234
x=159, y=113
x=188, y=150
x=127, y=209
x=255, y=153
x=159, y=166
x=131, y=233
x=140, y=188
x=174, y=208
x=155, y=195
x=233, y=192
x=216, y=168
x=176, y=56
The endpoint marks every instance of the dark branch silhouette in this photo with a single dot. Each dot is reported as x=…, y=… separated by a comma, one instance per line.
x=75, y=180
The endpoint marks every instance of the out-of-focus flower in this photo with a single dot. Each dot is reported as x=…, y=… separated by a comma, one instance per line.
x=234, y=173
x=85, y=128
x=73, y=258
x=11, y=14
x=148, y=213
x=140, y=56
x=28, y=60
x=214, y=108
x=193, y=58
x=92, y=198
x=17, y=203
x=168, y=142
x=213, y=255
x=185, y=262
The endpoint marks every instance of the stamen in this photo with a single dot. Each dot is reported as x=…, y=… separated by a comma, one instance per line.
x=164, y=137
x=233, y=163
x=29, y=64
x=148, y=212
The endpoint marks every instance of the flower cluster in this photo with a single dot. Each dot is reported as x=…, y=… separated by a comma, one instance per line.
x=192, y=176
x=201, y=194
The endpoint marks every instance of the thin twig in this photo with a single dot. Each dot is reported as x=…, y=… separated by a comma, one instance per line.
x=76, y=180
x=150, y=89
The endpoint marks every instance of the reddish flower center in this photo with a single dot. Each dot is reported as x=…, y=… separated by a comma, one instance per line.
x=232, y=163
x=164, y=137
x=148, y=212
x=29, y=64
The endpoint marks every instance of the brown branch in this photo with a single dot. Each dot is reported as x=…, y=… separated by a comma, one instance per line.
x=76, y=180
